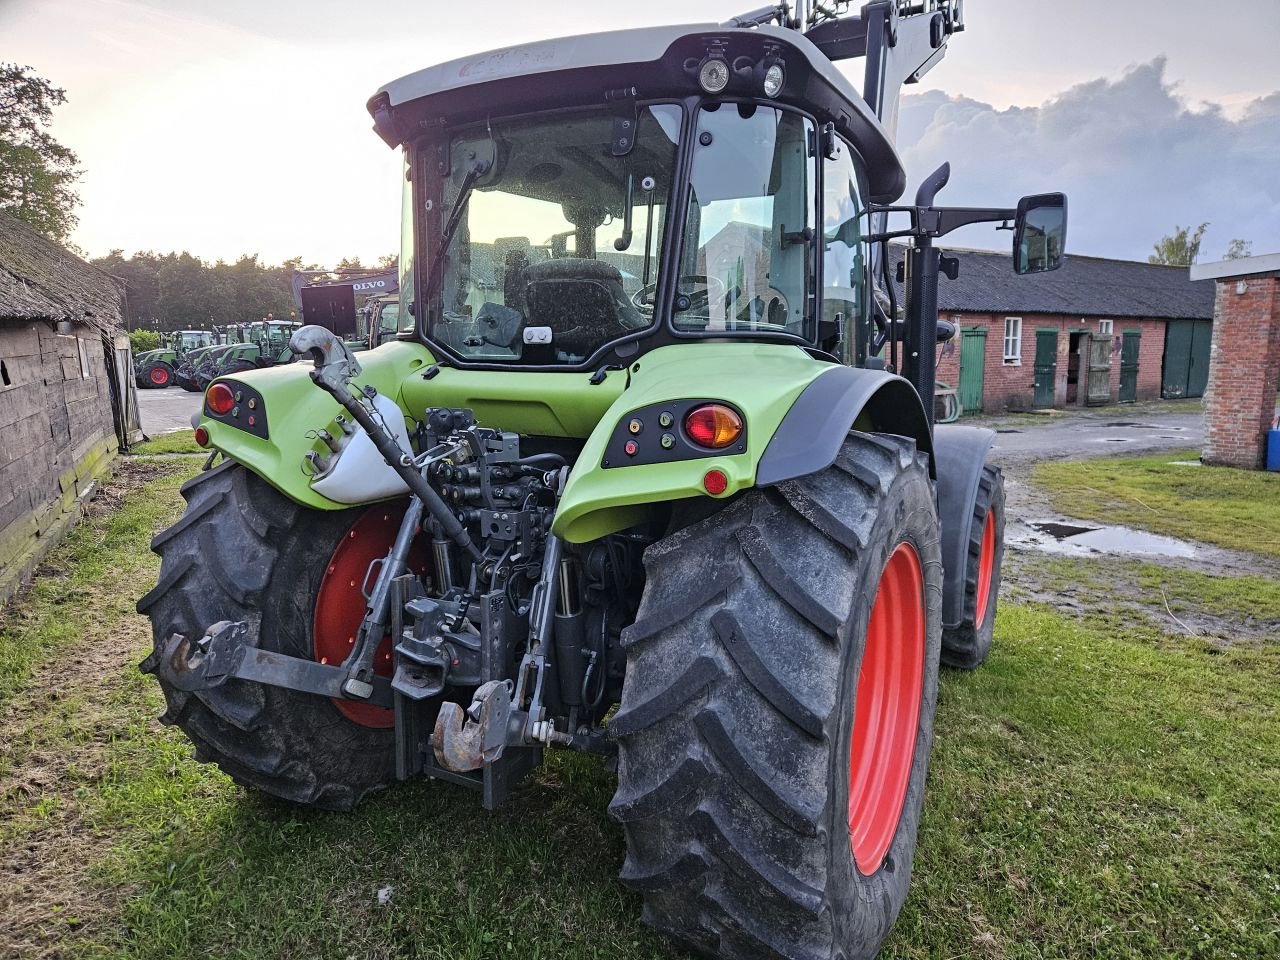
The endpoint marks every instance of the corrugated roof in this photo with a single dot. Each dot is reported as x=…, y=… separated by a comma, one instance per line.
x=1088, y=286
x=39, y=280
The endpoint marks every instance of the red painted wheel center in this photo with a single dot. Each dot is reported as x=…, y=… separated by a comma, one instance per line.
x=887, y=712
x=159, y=376
x=340, y=602
x=986, y=560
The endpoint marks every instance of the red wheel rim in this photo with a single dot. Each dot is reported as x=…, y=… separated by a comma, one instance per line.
x=986, y=560
x=340, y=603
x=159, y=377
x=887, y=712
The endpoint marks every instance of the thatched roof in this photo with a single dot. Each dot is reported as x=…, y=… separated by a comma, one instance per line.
x=40, y=280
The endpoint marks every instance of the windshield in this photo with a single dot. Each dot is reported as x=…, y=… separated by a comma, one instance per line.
x=749, y=228
x=556, y=251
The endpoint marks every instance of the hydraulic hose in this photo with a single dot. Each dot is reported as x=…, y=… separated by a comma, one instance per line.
x=414, y=479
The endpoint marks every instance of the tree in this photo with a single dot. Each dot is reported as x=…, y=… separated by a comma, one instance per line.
x=1239, y=249
x=144, y=340
x=37, y=173
x=1181, y=249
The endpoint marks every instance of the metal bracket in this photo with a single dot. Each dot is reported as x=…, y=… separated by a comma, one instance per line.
x=227, y=651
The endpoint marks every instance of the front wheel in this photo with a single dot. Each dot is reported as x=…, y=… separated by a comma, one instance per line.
x=967, y=644
x=243, y=551
x=157, y=375
x=777, y=714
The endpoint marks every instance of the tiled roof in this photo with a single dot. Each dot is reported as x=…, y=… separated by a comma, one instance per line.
x=1087, y=286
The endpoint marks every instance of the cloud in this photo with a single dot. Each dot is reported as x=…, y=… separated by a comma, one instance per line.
x=1134, y=158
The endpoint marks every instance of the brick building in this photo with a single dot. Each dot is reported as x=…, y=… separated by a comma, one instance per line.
x=1096, y=331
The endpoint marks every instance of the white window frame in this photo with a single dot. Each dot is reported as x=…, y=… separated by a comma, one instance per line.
x=1106, y=327
x=1013, y=341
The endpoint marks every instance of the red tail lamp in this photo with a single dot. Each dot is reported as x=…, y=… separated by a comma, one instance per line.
x=220, y=399
x=202, y=437
x=713, y=425
x=715, y=482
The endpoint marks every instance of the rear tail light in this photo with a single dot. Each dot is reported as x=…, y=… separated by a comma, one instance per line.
x=202, y=437
x=220, y=399
x=713, y=426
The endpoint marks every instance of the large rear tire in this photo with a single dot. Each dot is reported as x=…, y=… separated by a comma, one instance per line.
x=967, y=645
x=243, y=551
x=777, y=715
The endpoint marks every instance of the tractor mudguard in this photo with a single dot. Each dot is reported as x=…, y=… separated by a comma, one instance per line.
x=288, y=410
x=810, y=436
x=960, y=454
x=610, y=489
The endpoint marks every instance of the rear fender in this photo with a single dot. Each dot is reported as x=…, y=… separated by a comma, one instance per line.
x=288, y=411
x=961, y=453
x=607, y=492
x=842, y=399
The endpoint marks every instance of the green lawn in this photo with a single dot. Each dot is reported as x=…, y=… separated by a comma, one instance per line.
x=179, y=441
x=1095, y=792
x=1231, y=508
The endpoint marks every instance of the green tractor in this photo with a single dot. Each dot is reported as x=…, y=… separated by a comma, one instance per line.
x=261, y=344
x=649, y=475
x=185, y=374
x=156, y=368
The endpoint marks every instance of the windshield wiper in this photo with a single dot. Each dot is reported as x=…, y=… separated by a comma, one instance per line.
x=478, y=170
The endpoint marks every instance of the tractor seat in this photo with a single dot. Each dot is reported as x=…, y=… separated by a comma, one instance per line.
x=582, y=301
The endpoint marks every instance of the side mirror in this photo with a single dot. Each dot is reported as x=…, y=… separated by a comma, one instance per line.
x=1040, y=233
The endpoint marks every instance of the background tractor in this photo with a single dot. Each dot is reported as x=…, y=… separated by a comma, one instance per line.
x=649, y=476
x=155, y=368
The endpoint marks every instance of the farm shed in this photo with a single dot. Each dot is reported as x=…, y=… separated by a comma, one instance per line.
x=1096, y=331
x=66, y=393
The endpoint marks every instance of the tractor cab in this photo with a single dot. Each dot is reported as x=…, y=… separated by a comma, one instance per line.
x=574, y=204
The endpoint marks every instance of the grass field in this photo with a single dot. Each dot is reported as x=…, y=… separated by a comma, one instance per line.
x=1231, y=508
x=1095, y=792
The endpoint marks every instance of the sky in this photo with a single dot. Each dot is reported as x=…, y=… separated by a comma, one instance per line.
x=225, y=127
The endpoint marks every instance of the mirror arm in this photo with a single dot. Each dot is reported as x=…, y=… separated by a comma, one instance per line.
x=939, y=221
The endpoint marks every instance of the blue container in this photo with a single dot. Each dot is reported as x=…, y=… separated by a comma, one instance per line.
x=1273, y=450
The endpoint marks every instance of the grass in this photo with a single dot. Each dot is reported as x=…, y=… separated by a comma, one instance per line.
x=179, y=441
x=1095, y=792
x=1239, y=509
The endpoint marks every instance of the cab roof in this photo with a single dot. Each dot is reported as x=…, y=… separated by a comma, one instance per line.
x=651, y=62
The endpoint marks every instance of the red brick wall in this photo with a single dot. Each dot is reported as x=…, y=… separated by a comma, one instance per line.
x=1244, y=364
x=1011, y=386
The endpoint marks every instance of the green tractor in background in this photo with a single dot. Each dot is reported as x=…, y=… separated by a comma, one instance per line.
x=648, y=475
x=378, y=321
x=260, y=344
x=154, y=369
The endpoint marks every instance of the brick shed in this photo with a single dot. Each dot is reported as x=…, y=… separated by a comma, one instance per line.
x=1240, y=406
x=1096, y=331
x=66, y=401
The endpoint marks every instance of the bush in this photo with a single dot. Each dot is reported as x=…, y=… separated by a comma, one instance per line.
x=144, y=340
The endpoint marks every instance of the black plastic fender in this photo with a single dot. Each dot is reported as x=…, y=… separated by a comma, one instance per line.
x=960, y=454
x=812, y=432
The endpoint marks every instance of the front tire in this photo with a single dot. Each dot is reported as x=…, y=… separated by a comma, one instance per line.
x=243, y=551
x=966, y=645
x=764, y=817
x=156, y=375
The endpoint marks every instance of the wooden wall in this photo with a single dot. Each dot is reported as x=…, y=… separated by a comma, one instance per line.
x=56, y=437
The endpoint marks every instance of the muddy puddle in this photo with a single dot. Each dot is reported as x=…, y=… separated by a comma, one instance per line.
x=1081, y=540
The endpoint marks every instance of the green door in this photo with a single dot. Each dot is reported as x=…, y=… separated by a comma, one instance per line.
x=1198, y=374
x=1129, y=366
x=1046, y=367
x=973, y=362
x=1186, y=358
